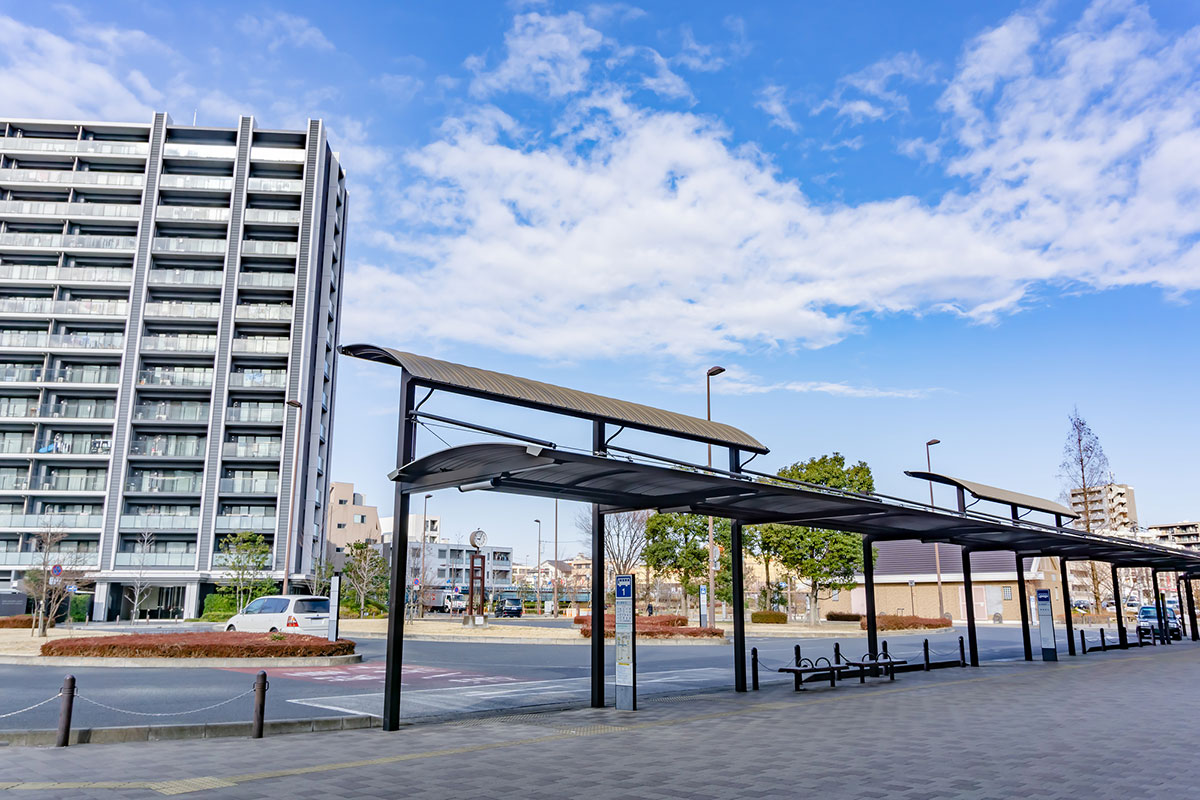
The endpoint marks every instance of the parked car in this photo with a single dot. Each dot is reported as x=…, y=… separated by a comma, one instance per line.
x=287, y=613
x=1148, y=622
x=1109, y=605
x=509, y=607
x=1081, y=606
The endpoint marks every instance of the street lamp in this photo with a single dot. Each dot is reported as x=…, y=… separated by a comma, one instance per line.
x=557, y=574
x=421, y=577
x=539, y=563
x=287, y=546
x=937, y=558
x=712, y=577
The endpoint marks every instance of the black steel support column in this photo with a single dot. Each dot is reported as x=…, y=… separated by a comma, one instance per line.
x=405, y=448
x=1158, y=609
x=1187, y=580
x=737, y=587
x=598, y=448
x=869, y=582
x=1024, y=603
x=1122, y=636
x=1179, y=602
x=1066, y=595
x=970, y=597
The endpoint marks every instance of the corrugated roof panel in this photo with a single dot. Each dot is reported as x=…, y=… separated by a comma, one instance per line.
x=996, y=495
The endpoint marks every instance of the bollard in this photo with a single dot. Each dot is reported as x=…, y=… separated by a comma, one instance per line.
x=884, y=651
x=1082, y=644
x=1103, y=646
x=260, y=704
x=797, y=651
x=754, y=664
x=64, y=711
x=962, y=653
x=837, y=653
x=925, y=648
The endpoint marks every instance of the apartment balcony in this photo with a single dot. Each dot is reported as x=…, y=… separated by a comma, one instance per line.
x=73, y=558
x=65, y=410
x=83, y=275
x=265, y=247
x=74, y=444
x=17, y=445
x=160, y=522
x=32, y=144
x=258, y=380
x=192, y=214
x=269, y=185
x=272, y=216
x=183, y=559
x=263, y=312
x=67, y=178
x=186, y=277
x=165, y=412
x=66, y=241
x=14, y=483
x=189, y=245
x=85, y=374
x=258, y=523
x=164, y=485
x=270, y=414
x=70, y=483
x=45, y=521
x=179, y=344
x=224, y=152
x=62, y=341
x=177, y=378
x=278, y=346
x=166, y=448
x=249, y=486
x=63, y=308
x=178, y=310
x=286, y=155
x=202, y=183
x=36, y=208
x=267, y=280
x=265, y=450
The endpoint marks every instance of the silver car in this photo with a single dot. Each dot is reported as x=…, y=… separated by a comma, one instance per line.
x=306, y=614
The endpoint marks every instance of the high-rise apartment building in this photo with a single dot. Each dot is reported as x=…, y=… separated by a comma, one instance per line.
x=169, y=307
x=1110, y=507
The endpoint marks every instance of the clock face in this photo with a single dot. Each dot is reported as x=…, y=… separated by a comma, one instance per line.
x=478, y=538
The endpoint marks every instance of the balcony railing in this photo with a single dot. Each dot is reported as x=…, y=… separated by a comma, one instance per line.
x=51, y=209
x=66, y=241
x=279, y=346
x=176, y=310
x=171, y=522
x=64, y=410
x=14, y=482
x=44, y=305
x=250, y=485
x=193, y=213
x=229, y=522
x=85, y=341
x=166, y=448
x=195, y=378
x=73, y=558
x=212, y=183
x=291, y=155
x=186, y=244
x=186, y=277
x=263, y=311
x=180, y=344
x=156, y=559
x=168, y=484
x=16, y=445
x=69, y=178
x=225, y=152
x=255, y=414
x=257, y=380
x=43, y=521
x=282, y=216
x=173, y=413
x=275, y=185
x=263, y=247
x=71, y=483
x=74, y=146
x=86, y=373
x=37, y=272
x=252, y=449
x=272, y=280
x=73, y=444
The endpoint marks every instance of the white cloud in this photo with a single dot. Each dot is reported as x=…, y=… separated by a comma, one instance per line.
x=664, y=82
x=772, y=100
x=282, y=29
x=543, y=54
x=712, y=57
x=401, y=88
x=869, y=94
x=623, y=230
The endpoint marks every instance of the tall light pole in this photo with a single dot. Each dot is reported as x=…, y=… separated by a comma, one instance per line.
x=421, y=577
x=712, y=574
x=539, y=563
x=556, y=572
x=287, y=546
x=937, y=558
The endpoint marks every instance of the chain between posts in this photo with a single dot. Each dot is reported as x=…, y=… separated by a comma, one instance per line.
x=162, y=713
x=32, y=707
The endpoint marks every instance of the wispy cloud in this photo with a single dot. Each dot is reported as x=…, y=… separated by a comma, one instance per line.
x=544, y=54
x=871, y=94
x=284, y=30
x=772, y=100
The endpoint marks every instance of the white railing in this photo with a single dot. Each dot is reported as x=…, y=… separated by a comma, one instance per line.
x=186, y=244
x=276, y=280
x=104, y=410
x=198, y=378
x=193, y=213
x=166, y=449
x=174, y=522
x=275, y=185
x=72, y=559
x=261, y=345
x=283, y=216
x=166, y=411
x=263, y=311
x=42, y=521
x=252, y=450
x=229, y=522
x=131, y=179
x=85, y=146
x=250, y=485
x=255, y=414
x=267, y=247
x=203, y=182
x=180, y=310
x=186, y=277
x=168, y=484
x=180, y=344
x=189, y=150
x=156, y=559
x=43, y=208
x=66, y=241
x=291, y=155
x=258, y=380
x=71, y=483
x=37, y=272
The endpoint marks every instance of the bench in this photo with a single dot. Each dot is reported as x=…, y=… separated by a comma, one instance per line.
x=882, y=661
x=809, y=667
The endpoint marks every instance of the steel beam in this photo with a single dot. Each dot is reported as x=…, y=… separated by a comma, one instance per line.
x=1122, y=635
x=597, y=594
x=1067, y=610
x=869, y=583
x=1024, y=603
x=1187, y=580
x=405, y=449
x=969, y=591
x=738, y=589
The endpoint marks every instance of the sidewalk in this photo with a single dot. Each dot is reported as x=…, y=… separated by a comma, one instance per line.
x=1111, y=725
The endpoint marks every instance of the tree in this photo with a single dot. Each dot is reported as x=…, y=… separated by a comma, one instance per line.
x=365, y=571
x=677, y=544
x=322, y=576
x=244, y=559
x=49, y=590
x=1084, y=468
x=138, y=588
x=624, y=538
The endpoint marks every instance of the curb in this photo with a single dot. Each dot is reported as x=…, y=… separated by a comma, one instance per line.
x=210, y=730
x=186, y=663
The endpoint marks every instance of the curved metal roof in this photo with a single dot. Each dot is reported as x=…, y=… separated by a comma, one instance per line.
x=510, y=389
x=995, y=495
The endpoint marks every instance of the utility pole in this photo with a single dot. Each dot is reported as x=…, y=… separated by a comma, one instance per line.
x=712, y=573
x=937, y=557
x=424, y=538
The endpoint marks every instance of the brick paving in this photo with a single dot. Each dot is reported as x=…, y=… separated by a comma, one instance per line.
x=1114, y=725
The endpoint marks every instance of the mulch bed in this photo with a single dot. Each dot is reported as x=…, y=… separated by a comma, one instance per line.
x=19, y=621
x=218, y=644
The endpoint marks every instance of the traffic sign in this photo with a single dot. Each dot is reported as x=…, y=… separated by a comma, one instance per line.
x=72, y=589
x=56, y=570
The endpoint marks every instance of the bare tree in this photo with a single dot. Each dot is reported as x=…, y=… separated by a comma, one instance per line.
x=322, y=576
x=1084, y=468
x=365, y=570
x=50, y=590
x=624, y=538
x=139, y=586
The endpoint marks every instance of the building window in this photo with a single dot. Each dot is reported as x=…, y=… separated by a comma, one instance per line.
x=836, y=593
x=1006, y=592
x=360, y=518
x=341, y=524
x=343, y=501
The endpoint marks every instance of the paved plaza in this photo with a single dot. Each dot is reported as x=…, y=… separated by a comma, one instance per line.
x=1117, y=724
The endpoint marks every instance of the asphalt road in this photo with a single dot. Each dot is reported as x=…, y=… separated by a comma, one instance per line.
x=440, y=678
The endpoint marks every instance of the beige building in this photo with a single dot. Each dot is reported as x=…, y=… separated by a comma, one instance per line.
x=350, y=518
x=1110, y=507
x=1179, y=534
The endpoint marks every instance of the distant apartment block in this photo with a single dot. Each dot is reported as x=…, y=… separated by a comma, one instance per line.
x=1110, y=508
x=169, y=307
x=350, y=518
x=1180, y=534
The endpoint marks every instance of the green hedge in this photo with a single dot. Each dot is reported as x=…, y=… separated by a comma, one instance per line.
x=772, y=617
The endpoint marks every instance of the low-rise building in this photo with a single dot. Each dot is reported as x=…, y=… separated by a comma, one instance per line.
x=350, y=518
x=1180, y=534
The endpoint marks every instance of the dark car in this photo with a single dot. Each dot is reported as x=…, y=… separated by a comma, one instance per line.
x=1148, y=622
x=509, y=607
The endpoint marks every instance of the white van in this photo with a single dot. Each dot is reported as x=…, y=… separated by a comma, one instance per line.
x=287, y=613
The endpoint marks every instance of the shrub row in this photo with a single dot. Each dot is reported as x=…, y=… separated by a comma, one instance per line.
x=895, y=622
x=843, y=616
x=199, y=645
x=20, y=621
x=656, y=621
x=662, y=632
x=772, y=617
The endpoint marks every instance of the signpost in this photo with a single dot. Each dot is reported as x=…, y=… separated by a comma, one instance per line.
x=56, y=570
x=1046, y=625
x=626, y=646
x=335, y=605
x=704, y=605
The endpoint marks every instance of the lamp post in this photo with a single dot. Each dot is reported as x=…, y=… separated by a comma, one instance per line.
x=557, y=574
x=421, y=577
x=287, y=545
x=712, y=576
x=539, y=563
x=937, y=558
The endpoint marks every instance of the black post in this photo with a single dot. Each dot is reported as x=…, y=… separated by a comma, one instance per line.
x=754, y=665
x=1191, y=608
x=796, y=654
x=1162, y=614
x=837, y=653
x=1066, y=594
x=64, y=711
x=1103, y=644
x=1179, y=603
x=969, y=591
x=598, y=448
x=925, y=650
x=405, y=448
x=1158, y=612
x=737, y=587
x=1082, y=643
x=1122, y=635
x=869, y=581
x=260, y=704
x=962, y=653
x=1024, y=608
x=797, y=678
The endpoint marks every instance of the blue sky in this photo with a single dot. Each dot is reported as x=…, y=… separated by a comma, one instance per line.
x=890, y=222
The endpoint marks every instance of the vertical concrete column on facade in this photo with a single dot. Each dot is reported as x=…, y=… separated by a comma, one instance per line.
x=191, y=600
x=1024, y=603
x=100, y=601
